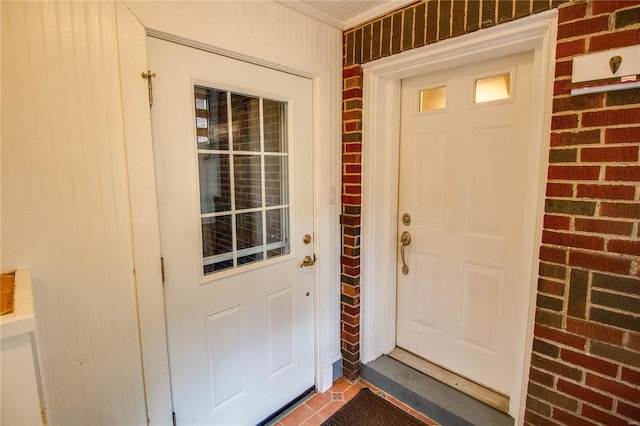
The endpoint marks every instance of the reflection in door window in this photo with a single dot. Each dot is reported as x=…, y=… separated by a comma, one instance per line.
x=243, y=172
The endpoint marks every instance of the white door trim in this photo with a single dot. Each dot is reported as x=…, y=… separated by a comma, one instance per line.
x=132, y=31
x=381, y=120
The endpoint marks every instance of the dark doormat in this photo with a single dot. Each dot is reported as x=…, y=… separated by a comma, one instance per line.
x=368, y=409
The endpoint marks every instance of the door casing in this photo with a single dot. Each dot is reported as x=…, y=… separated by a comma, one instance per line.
x=381, y=121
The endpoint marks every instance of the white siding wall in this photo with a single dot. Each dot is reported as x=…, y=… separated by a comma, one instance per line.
x=65, y=208
x=65, y=211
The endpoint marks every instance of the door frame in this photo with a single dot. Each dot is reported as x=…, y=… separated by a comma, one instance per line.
x=380, y=156
x=135, y=22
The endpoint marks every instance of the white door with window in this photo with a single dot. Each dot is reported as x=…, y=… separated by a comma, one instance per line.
x=233, y=156
x=464, y=173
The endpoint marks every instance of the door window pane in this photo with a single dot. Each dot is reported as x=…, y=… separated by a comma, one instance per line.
x=432, y=99
x=211, y=118
x=248, y=181
x=275, y=133
x=246, y=123
x=277, y=232
x=243, y=178
x=215, y=183
x=493, y=88
x=275, y=177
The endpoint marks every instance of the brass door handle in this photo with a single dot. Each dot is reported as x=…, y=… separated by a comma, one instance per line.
x=308, y=261
x=405, y=239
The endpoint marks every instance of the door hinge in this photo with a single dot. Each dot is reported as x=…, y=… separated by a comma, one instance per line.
x=148, y=76
x=162, y=268
x=175, y=422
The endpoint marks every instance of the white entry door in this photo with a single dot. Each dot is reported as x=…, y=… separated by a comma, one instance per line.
x=464, y=171
x=233, y=153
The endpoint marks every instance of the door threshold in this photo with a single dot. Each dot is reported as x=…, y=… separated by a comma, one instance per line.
x=481, y=393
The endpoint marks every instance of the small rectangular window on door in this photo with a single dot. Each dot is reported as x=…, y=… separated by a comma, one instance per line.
x=243, y=165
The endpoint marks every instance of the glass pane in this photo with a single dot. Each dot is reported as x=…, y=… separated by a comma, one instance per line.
x=246, y=122
x=215, y=183
x=275, y=137
x=216, y=242
x=277, y=232
x=249, y=230
x=434, y=98
x=275, y=176
x=248, y=181
x=211, y=118
x=492, y=88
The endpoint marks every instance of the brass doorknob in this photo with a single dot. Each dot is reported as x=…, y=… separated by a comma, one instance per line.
x=308, y=261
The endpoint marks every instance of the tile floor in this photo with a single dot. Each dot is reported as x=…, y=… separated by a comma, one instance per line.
x=321, y=406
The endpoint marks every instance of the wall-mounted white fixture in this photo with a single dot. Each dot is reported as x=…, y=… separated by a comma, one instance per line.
x=615, y=69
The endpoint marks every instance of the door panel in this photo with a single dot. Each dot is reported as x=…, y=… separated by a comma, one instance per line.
x=233, y=156
x=463, y=170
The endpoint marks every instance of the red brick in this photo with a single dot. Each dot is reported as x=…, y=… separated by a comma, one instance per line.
x=603, y=226
x=589, y=362
x=352, y=71
x=541, y=377
x=628, y=210
x=353, y=271
x=607, y=192
x=582, y=27
x=599, y=262
x=352, y=126
x=572, y=240
x=352, y=147
x=352, y=169
x=595, y=331
x=352, y=115
x=630, y=376
x=559, y=336
x=614, y=39
x=564, y=68
x=355, y=93
x=611, y=117
x=585, y=394
x=570, y=48
x=555, y=189
x=567, y=121
x=628, y=410
x=586, y=137
x=536, y=419
x=610, y=154
x=556, y=222
x=351, y=158
x=622, y=173
x=349, y=83
x=615, y=388
x=633, y=342
x=574, y=172
x=572, y=11
x=352, y=189
x=351, y=179
x=551, y=254
x=560, y=87
x=624, y=247
x=570, y=419
x=603, y=417
x=550, y=287
x=351, y=200
x=607, y=6
x=622, y=135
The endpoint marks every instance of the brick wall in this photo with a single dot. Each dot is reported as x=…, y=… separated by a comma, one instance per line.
x=585, y=365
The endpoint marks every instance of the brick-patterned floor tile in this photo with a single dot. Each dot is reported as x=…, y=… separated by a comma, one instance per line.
x=330, y=408
x=319, y=400
x=315, y=420
x=297, y=416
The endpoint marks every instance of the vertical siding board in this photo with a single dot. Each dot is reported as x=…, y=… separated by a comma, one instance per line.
x=407, y=29
x=376, y=39
x=396, y=33
x=386, y=36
